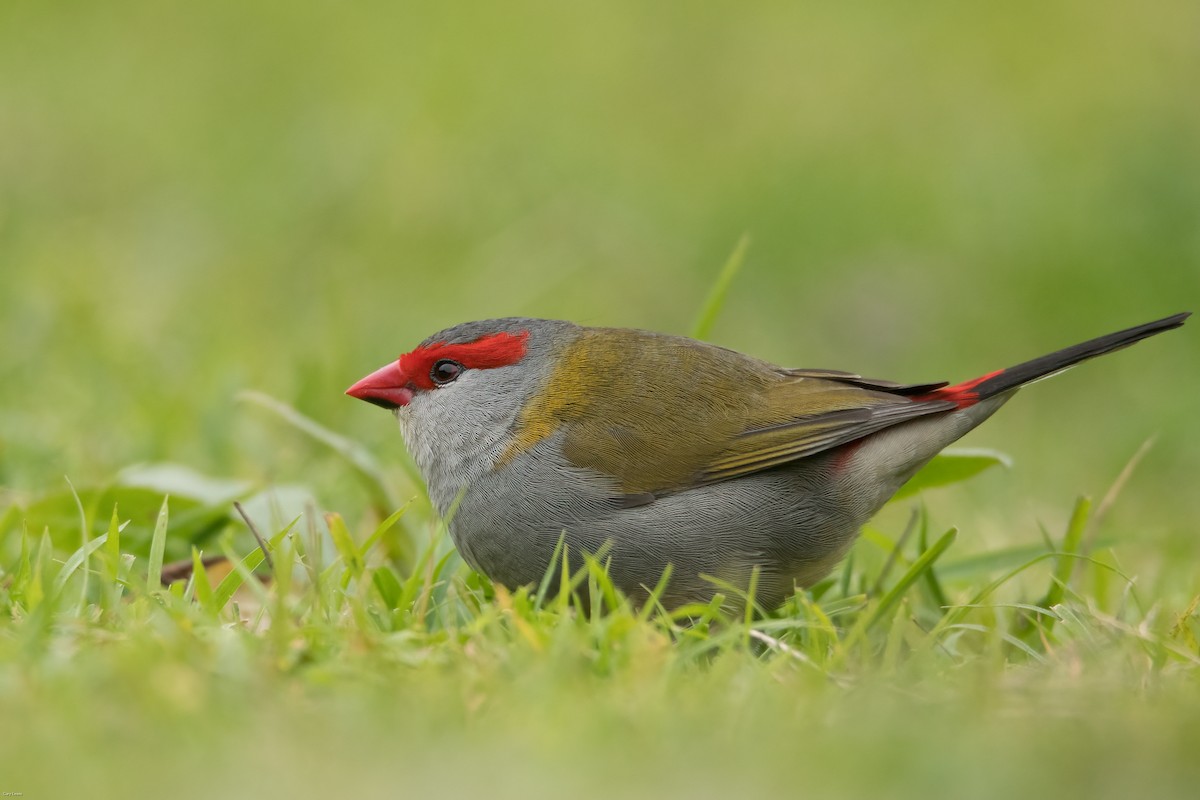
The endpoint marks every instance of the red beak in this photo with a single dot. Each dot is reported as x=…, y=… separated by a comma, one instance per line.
x=388, y=387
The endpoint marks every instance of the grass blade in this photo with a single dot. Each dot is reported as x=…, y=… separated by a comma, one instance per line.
x=112, y=552
x=384, y=527
x=345, y=545
x=1072, y=541
x=1064, y=565
x=72, y=564
x=933, y=586
x=716, y=296
x=244, y=567
x=158, y=544
x=924, y=562
x=200, y=583
x=84, y=535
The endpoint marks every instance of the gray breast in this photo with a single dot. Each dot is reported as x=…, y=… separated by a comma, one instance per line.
x=508, y=526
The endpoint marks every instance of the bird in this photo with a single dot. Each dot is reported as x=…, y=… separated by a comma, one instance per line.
x=647, y=450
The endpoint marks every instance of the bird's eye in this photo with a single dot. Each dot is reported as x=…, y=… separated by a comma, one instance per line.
x=445, y=371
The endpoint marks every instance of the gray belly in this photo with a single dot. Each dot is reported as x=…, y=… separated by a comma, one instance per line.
x=785, y=522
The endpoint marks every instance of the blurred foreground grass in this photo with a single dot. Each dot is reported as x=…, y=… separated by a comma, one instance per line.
x=200, y=200
x=349, y=675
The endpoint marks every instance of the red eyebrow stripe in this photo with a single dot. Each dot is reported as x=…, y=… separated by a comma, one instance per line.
x=486, y=352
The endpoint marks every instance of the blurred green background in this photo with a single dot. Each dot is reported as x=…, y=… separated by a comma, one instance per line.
x=197, y=199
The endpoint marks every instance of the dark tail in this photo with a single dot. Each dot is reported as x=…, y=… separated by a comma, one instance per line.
x=994, y=383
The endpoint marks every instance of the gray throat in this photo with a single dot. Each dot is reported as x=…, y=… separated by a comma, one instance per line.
x=452, y=457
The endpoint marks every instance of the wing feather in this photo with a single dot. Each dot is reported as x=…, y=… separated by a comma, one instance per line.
x=762, y=448
x=720, y=416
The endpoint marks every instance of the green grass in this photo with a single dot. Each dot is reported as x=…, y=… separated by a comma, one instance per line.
x=346, y=672
x=214, y=218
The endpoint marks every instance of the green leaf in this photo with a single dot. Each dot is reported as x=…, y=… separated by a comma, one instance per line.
x=178, y=481
x=952, y=466
x=191, y=521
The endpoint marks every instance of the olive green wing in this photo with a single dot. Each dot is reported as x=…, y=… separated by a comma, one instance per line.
x=673, y=440
x=715, y=415
x=811, y=411
x=759, y=448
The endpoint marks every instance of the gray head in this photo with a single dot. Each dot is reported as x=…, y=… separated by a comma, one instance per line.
x=457, y=395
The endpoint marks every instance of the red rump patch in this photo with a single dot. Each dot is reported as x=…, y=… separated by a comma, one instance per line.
x=963, y=394
x=486, y=352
